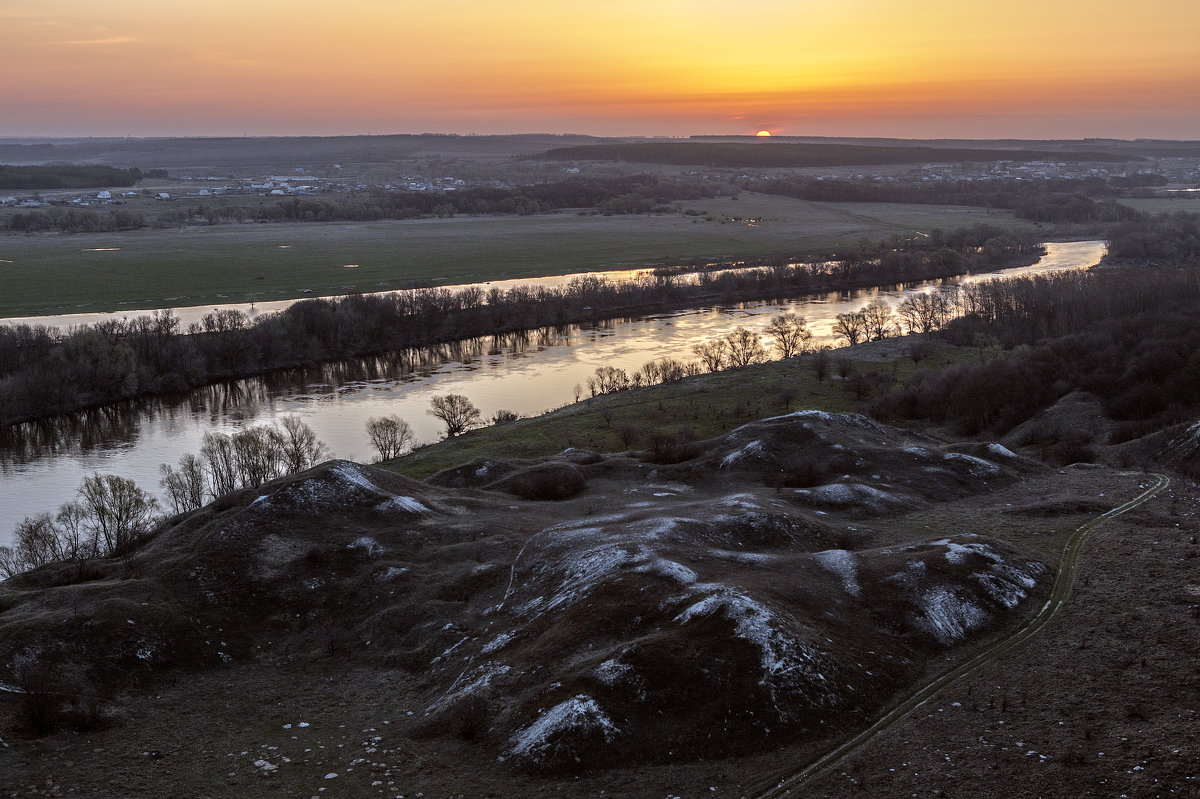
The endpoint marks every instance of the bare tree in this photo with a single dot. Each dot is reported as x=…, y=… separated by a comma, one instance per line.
x=79, y=541
x=744, y=347
x=216, y=449
x=299, y=447
x=37, y=544
x=927, y=311
x=877, y=320
x=918, y=312
x=118, y=511
x=920, y=350
x=456, y=411
x=43, y=539
x=790, y=333
x=608, y=379
x=851, y=326
x=390, y=435
x=712, y=354
x=664, y=370
x=10, y=562
x=186, y=486
x=254, y=455
x=257, y=455
x=110, y=516
x=629, y=434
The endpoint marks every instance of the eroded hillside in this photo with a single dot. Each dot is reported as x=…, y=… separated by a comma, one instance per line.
x=572, y=614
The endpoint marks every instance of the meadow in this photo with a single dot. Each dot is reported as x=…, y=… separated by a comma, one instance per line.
x=1166, y=205
x=152, y=268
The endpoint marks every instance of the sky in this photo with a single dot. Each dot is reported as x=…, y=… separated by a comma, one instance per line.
x=935, y=69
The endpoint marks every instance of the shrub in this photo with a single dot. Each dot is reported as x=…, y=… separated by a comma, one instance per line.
x=504, y=416
x=666, y=448
x=629, y=434
x=545, y=482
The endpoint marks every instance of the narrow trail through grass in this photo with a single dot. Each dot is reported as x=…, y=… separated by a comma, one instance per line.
x=793, y=782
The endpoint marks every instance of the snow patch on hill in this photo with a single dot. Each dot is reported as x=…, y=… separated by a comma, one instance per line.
x=470, y=682
x=783, y=657
x=581, y=714
x=1001, y=450
x=843, y=495
x=402, y=503
x=842, y=563
x=977, y=466
x=948, y=616
x=611, y=671
x=669, y=569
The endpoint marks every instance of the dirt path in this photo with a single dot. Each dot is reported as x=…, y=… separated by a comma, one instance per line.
x=1059, y=594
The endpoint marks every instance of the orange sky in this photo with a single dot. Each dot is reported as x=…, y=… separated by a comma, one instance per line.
x=971, y=68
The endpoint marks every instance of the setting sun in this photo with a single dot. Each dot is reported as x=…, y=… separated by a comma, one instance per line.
x=622, y=68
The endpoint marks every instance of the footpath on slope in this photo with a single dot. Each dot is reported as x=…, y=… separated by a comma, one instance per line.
x=784, y=786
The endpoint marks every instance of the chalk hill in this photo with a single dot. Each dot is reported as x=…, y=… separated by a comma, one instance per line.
x=580, y=611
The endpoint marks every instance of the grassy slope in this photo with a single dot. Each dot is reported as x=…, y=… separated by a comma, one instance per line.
x=710, y=405
x=234, y=263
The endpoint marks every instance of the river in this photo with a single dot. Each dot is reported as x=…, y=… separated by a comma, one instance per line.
x=528, y=375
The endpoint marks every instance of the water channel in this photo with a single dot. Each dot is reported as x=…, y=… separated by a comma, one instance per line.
x=41, y=469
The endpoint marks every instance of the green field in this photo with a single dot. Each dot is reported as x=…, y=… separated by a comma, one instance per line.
x=1166, y=205
x=69, y=273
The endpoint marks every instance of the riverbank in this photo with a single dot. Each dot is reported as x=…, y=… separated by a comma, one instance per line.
x=698, y=408
x=50, y=373
x=42, y=465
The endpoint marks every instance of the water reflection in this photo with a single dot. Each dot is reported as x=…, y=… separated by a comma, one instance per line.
x=42, y=464
x=257, y=399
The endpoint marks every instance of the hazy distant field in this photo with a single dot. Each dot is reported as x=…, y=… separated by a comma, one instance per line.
x=54, y=273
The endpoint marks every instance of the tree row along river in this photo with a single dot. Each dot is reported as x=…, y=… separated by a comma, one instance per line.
x=41, y=466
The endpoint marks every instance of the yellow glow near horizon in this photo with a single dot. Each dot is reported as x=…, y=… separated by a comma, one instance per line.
x=762, y=134
x=795, y=67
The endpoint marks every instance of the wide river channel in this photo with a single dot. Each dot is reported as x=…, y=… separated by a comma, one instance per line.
x=528, y=375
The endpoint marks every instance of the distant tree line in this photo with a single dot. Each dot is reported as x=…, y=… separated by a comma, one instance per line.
x=609, y=195
x=788, y=332
x=44, y=372
x=74, y=220
x=1050, y=200
x=637, y=194
x=777, y=155
x=788, y=336
x=66, y=177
